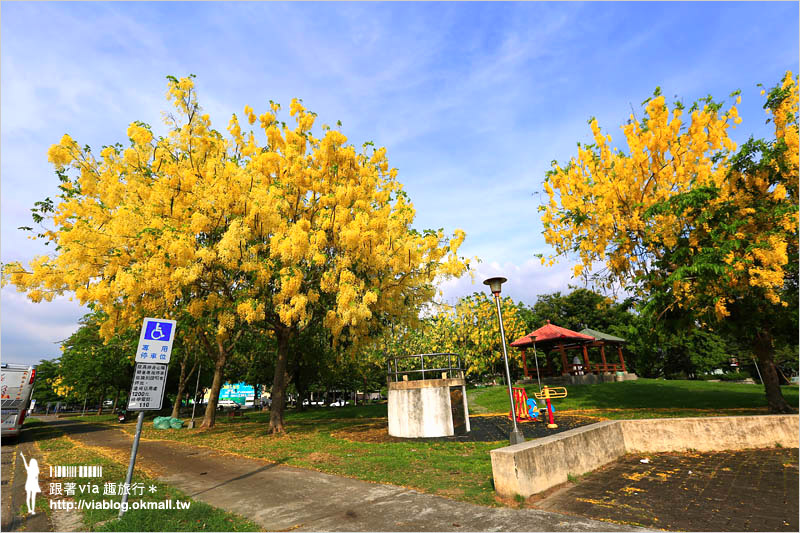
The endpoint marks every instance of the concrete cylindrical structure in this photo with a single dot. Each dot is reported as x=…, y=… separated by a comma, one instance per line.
x=428, y=408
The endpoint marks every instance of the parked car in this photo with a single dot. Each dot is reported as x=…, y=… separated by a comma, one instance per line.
x=320, y=403
x=338, y=403
x=227, y=404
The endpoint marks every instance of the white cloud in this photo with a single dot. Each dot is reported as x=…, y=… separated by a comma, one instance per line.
x=31, y=332
x=526, y=281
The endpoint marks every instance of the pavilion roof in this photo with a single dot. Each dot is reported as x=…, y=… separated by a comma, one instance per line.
x=599, y=335
x=550, y=333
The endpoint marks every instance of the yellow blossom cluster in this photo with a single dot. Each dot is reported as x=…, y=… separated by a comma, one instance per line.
x=279, y=232
x=470, y=329
x=598, y=204
x=59, y=387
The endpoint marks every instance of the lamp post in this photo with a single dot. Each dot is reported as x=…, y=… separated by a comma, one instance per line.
x=494, y=284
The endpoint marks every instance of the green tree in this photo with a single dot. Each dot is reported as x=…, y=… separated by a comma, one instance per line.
x=47, y=372
x=93, y=367
x=581, y=308
x=700, y=232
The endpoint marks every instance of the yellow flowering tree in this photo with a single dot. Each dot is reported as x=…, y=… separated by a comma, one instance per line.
x=692, y=226
x=237, y=234
x=468, y=328
x=475, y=321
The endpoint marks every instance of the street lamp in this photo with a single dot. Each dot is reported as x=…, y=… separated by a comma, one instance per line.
x=494, y=284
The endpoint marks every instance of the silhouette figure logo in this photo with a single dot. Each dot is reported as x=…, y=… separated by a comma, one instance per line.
x=32, y=483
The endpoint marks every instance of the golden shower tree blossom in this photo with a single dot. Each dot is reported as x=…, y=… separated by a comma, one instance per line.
x=686, y=221
x=237, y=232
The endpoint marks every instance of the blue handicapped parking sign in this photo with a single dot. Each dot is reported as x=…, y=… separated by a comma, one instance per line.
x=158, y=331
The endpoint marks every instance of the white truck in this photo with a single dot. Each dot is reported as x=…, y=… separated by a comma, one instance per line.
x=16, y=388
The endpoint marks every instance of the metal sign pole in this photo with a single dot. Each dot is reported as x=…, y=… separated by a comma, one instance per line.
x=196, y=388
x=149, y=380
x=134, y=449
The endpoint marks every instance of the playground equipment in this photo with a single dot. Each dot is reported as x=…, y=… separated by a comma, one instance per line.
x=547, y=394
x=526, y=409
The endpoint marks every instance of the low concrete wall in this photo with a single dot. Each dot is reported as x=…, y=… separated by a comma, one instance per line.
x=534, y=466
x=710, y=434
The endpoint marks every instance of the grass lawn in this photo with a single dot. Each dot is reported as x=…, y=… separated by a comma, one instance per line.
x=353, y=441
x=644, y=398
x=63, y=451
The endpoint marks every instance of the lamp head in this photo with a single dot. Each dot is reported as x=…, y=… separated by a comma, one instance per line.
x=494, y=284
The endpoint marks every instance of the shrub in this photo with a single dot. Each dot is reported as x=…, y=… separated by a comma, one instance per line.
x=735, y=376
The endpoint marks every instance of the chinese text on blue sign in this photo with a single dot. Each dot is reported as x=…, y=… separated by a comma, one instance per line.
x=155, y=341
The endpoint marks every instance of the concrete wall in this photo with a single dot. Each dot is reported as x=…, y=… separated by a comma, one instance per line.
x=420, y=413
x=537, y=465
x=422, y=408
x=710, y=434
x=534, y=466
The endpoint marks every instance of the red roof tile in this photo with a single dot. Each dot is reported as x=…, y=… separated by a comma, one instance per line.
x=550, y=333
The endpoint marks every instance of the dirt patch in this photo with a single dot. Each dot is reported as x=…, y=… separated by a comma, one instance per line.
x=747, y=490
x=121, y=456
x=322, y=457
x=453, y=493
x=373, y=432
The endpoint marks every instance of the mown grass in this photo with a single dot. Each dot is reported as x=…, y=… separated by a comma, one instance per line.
x=60, y=450
x=351, y=447
x=353, y=441
x=644, y=398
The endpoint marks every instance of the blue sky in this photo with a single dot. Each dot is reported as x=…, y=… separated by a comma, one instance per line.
x=471, y=100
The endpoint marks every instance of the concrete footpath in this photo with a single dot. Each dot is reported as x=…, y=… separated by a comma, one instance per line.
x=279, y=497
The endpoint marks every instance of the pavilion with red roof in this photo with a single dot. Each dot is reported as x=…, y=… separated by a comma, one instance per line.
x=550, y=337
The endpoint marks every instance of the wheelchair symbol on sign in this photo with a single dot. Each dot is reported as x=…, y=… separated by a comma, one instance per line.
x=156, y=332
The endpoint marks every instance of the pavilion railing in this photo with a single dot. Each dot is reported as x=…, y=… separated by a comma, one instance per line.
x=592, y=368
x=432, y=364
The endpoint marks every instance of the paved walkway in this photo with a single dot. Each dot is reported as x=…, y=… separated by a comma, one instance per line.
x=279, y=497
x=744, y=490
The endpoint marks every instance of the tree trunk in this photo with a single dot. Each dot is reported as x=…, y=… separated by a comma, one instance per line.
x=116, y=399
x=279, y=381
x=176, y=407
x=302, y=395
x=216, y=385
x=182, y=380
x=102, y=399
x=764, y=351
x=300, y=385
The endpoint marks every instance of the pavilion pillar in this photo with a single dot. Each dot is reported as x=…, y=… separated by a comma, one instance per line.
x=621, y=359
x=525, y=364
x=563, y=359
x=603, y=357
x=585, y=360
